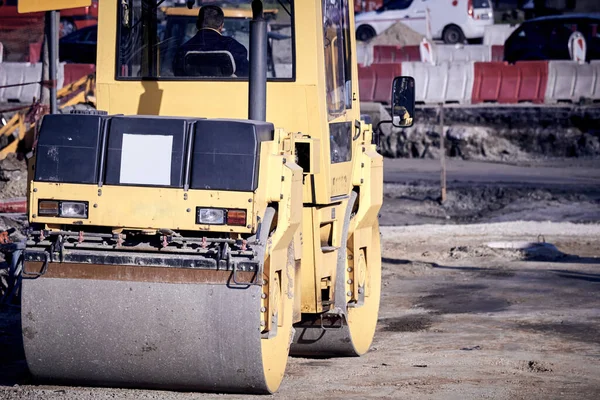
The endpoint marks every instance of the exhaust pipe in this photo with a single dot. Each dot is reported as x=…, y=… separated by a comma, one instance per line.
x=257, y=91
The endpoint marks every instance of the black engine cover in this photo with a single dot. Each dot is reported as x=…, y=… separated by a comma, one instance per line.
x=68, y=148
x=223, y=154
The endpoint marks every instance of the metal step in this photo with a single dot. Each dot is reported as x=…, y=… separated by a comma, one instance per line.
x=328, y=249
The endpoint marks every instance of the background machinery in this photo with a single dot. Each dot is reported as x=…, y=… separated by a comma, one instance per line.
x=179, y=240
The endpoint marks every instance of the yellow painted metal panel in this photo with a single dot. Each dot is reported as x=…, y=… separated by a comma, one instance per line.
x=311, y=293
x=142, y=207
x=227, y=12
x=298, y=106
x=27, y=6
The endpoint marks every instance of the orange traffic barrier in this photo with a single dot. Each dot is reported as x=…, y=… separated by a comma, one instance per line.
x=510, y=84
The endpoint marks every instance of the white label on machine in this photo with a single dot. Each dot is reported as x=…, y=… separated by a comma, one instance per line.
x=146, y=159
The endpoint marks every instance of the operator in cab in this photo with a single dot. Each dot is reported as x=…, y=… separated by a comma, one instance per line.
x=401, y=116
x=209, y=38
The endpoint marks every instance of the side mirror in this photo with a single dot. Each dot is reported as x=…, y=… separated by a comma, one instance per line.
x=403, y=101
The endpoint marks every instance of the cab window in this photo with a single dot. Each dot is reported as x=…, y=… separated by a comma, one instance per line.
x=338, y=65
x=338, y=73
x=164, y=42
x=477, y=4
x=396, y=5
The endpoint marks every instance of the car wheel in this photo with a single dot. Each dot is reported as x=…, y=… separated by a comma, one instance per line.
x=364, y=33
x=66, y=27
x=453, y=34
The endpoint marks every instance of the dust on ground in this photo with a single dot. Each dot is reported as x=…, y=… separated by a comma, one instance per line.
x=458, y=320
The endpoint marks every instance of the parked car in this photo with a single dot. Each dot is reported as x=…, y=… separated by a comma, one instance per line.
x=70, y=19
x=366, y=5
x=547, y=38
x=78, y=18
x=453, y=21
x=79, y=46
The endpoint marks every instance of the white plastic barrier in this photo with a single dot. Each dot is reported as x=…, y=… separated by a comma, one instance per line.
x=1, y=52
x=364, y=54
x=569, y=81
x=442, y=83
x=497, y=34
x=453, y=53
x=12, y=73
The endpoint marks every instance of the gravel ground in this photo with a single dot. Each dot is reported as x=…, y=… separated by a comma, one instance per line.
x=458, y=320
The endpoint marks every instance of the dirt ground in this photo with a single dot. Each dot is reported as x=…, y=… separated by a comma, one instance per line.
x=558, y=190
x=458, y=320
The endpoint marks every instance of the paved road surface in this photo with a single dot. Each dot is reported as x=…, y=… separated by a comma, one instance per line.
x=549, y=174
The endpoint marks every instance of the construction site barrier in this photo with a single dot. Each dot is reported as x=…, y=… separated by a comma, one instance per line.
x=14, y=205
x=453, y=53
x=74, y=72
x=497, y=34
x=442, y=83
x=35, y=52
x=366, y=83
x=569, y=81
x=503, y=83
x=23, y=81
x=497, y=52
x=1, y=52
x=395, y=54
x=364, y=54
x=384, y=77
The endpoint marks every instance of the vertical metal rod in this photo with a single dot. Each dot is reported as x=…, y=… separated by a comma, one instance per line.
x=188, y=159
x=103, y=151
x=442, y=153
x=257, y=85
x=52, y=35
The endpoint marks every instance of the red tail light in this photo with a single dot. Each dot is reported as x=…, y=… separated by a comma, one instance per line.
x=470, y=8
x=236, y=217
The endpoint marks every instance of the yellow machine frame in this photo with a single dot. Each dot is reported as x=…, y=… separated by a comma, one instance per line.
x=303, y=112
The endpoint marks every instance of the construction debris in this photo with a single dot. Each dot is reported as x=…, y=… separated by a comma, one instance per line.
x=13, y=177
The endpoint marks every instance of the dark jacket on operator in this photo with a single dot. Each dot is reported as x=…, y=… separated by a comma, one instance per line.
x=210, y=40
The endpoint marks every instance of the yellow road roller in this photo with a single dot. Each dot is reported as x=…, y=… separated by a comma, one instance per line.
x=208, y=220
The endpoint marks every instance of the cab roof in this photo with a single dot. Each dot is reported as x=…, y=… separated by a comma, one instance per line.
x=228, y=12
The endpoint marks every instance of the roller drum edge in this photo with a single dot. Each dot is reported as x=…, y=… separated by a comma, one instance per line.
x=184, y=336
x=335, y=340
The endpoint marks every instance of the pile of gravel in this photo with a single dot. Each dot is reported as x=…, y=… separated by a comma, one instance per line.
x=13, y=177
x=398, y=35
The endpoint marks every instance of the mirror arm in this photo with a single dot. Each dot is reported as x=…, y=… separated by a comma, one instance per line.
x=388, y=121
x=377, y=133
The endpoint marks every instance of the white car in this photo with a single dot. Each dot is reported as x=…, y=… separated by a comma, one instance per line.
x=452, y=21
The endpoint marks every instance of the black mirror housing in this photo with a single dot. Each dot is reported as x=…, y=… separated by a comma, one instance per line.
x=403, y=101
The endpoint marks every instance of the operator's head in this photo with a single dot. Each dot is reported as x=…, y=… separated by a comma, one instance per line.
x=210, y=17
